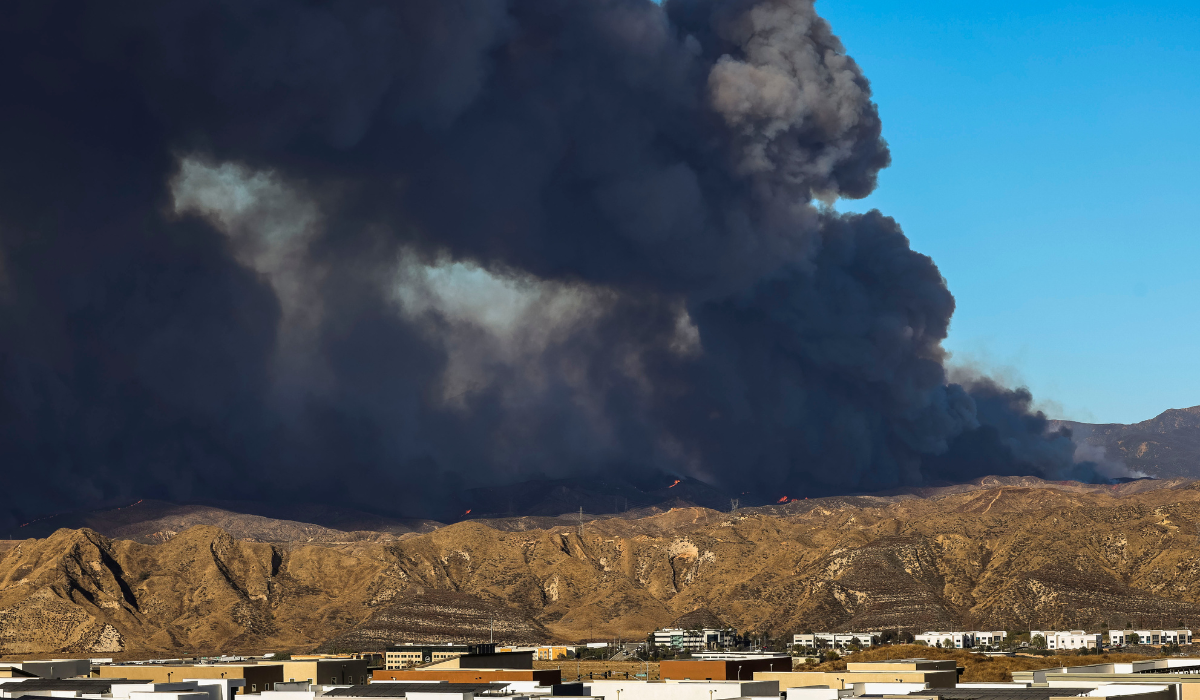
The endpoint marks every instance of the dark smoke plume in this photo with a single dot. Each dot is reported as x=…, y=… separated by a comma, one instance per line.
x=375, y=253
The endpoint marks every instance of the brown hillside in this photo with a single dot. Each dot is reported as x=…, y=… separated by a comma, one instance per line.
x=1007, y=553
x=439, y=617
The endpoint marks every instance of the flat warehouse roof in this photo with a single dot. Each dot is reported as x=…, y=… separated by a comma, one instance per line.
x=397, y=690
x=1001, y=693
x=87, y=685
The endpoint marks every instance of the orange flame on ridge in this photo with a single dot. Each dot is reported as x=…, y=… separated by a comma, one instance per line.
x=674, y=484
x=468, y=512
x=782, y=500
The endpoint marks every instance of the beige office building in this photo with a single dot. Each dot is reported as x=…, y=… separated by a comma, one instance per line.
x=937, y=673
x=329, y=671
x=258, y=677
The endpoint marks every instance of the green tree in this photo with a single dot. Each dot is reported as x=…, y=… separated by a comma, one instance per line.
x=1037, y=641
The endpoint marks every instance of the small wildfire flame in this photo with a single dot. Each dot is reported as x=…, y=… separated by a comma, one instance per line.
x=674, y=484
x=468, y=512
x=782, y=500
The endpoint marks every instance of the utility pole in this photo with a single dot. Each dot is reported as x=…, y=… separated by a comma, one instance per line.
x=579, y=521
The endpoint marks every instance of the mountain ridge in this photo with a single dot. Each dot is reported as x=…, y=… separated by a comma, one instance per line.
x=1006, y=552
x=1165, y=446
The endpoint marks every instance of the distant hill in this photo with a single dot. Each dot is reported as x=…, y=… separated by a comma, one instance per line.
x=1166, y=446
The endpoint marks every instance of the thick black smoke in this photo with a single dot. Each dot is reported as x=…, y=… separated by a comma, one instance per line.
x=375, y=253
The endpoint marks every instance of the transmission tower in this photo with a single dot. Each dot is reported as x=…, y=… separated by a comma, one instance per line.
x=733, y=505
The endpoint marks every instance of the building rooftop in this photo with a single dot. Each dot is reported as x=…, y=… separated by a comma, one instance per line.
x=87, y=685
x=396, y=690
x=1001, y=693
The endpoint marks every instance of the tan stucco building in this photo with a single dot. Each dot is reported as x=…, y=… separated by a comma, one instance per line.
x=330, y=671
x=258, y=677
x=937, y=673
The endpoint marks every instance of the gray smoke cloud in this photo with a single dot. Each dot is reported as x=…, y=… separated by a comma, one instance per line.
x=376, y=254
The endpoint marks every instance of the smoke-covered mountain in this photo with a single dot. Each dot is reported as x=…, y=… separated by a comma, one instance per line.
x=378, y=254
x=1163, y=447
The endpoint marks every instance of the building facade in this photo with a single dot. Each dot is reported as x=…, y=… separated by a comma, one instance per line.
x=723, y=669
x=1122, y=638
x=257, y=677
x=951, y=640
x=546, y=676
x=1071, y=640
x=835, y=640
x=988, y=638
x=929, y=673
x=405, y=655
x=544, y=653
x=694, y=640
x=331, y=671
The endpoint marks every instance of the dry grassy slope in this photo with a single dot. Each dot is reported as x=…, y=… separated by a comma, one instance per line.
x=1006, y=554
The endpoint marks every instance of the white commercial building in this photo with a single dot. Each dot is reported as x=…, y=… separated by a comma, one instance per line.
x=1069, y=640
x=835, y=640
x=957, y=640
x=988, y=638
x=1121, y=638
x=693, y=640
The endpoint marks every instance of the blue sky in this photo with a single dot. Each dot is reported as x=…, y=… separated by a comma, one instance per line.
x=1046, y=155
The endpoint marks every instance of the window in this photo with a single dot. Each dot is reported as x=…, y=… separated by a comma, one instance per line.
x=333, y=680
x=253, y=688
